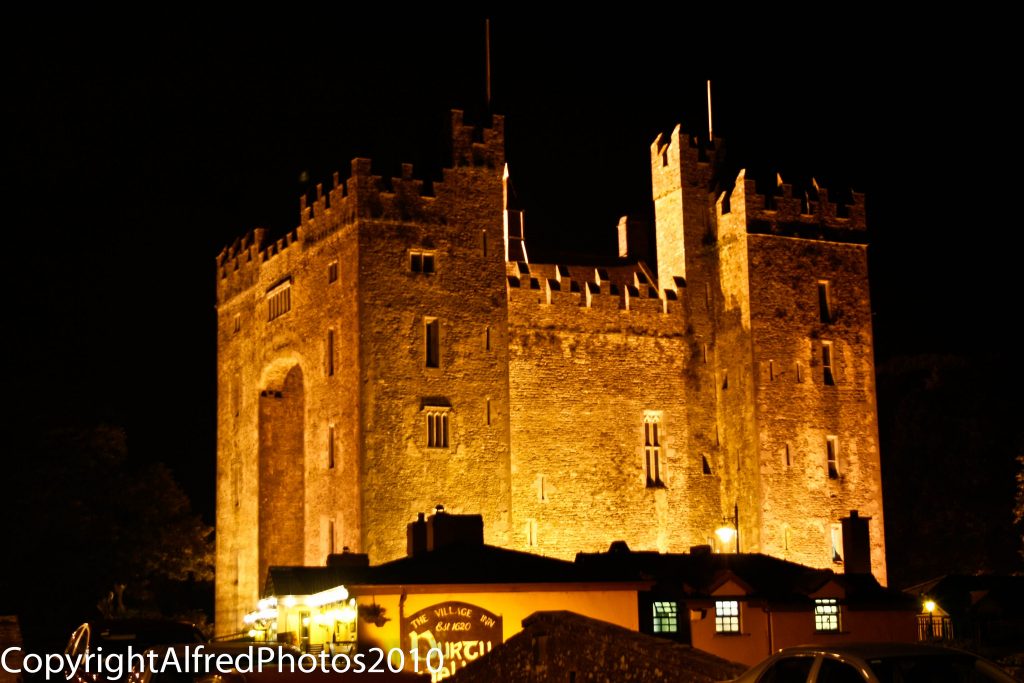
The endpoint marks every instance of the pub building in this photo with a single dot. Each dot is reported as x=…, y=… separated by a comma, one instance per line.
x=454, y=593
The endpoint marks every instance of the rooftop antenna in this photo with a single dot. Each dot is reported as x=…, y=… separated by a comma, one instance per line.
x=711, y=133
x=487, y=48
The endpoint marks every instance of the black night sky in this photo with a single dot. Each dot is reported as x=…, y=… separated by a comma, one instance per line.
x=131, y=158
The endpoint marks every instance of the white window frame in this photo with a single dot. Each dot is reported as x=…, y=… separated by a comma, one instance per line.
x=727, y=617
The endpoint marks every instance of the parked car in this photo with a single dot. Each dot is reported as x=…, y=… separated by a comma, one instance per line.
x=875, y=663
x=114, y=636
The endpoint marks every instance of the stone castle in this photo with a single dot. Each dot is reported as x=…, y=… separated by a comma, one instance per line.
x=398, y=350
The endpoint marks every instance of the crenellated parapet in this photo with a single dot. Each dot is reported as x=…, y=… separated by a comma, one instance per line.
x=365, y=196
x=804, y=213
x=682, y=156
x=472, y=146
x=616, y=295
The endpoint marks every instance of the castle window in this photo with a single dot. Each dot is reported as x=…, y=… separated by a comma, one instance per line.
x=487, y=413
x=531, y=533
x=826, y=615
x=825, y=300
x=727, y=616
x=799, y=372
x=330, y=537
x=330, y=353
x=832, y=456
x=542, y=493
x=437, y=427
x=652, y=450
x=705, y=465
x=432, y=335
x=279, y=300
x=421, y=262
x=771, y=371
x=826, y=364
x=705, y=354
x=725, y=379
x=836, y=534
x=483, y=241
x=238, y=323
x=332, y=272
x=666, y=617
x=786, y=455
x=487, y=338
x=330, y=447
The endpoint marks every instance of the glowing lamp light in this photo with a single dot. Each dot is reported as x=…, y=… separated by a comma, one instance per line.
x=929, y=606
x=725, y=535
x=252, y=633
x=289, y=601
x=249, y=618
x=336, y=594
x=305, y=621
x=347, y=614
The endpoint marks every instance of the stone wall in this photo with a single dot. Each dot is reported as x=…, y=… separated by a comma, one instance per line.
x=562, y=646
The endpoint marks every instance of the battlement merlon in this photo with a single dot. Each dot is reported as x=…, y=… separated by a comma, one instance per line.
x=783, y=211
x=472, y=149
x=682, y=159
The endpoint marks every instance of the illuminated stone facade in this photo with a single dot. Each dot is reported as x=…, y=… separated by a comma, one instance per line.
x=395, y=351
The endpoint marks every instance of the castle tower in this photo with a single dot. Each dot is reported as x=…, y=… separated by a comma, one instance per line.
x=778, y=307
x=362, y=370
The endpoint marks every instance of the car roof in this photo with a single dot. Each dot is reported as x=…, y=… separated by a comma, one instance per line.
x=873, y=650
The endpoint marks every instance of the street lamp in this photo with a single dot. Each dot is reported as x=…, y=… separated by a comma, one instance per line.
x=730, y=529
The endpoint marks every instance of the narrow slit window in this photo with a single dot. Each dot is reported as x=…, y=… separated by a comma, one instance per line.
x=725, y=379
x=330, y=447
x=705, y=354
x=487, y=338
x=332, y=272
x=825, y=300
x=826, y=364
x=705, y=465
x=832, y=455
x=487, y=412
x=771, y=371
x=432, y=334
x=787, y=456
x=330, y=353
x=799, y=372
x=531, y=533
x=483, y=242
x=330, y=537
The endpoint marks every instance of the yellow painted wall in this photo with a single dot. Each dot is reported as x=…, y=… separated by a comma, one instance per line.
x=611, y=605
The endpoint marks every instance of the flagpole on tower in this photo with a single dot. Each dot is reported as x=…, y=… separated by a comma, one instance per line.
x=711, y=133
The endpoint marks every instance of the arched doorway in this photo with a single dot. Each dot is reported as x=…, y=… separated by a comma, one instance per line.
x=282, y=418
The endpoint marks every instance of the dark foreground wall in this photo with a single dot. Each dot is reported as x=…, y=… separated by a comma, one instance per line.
x=563, y=646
